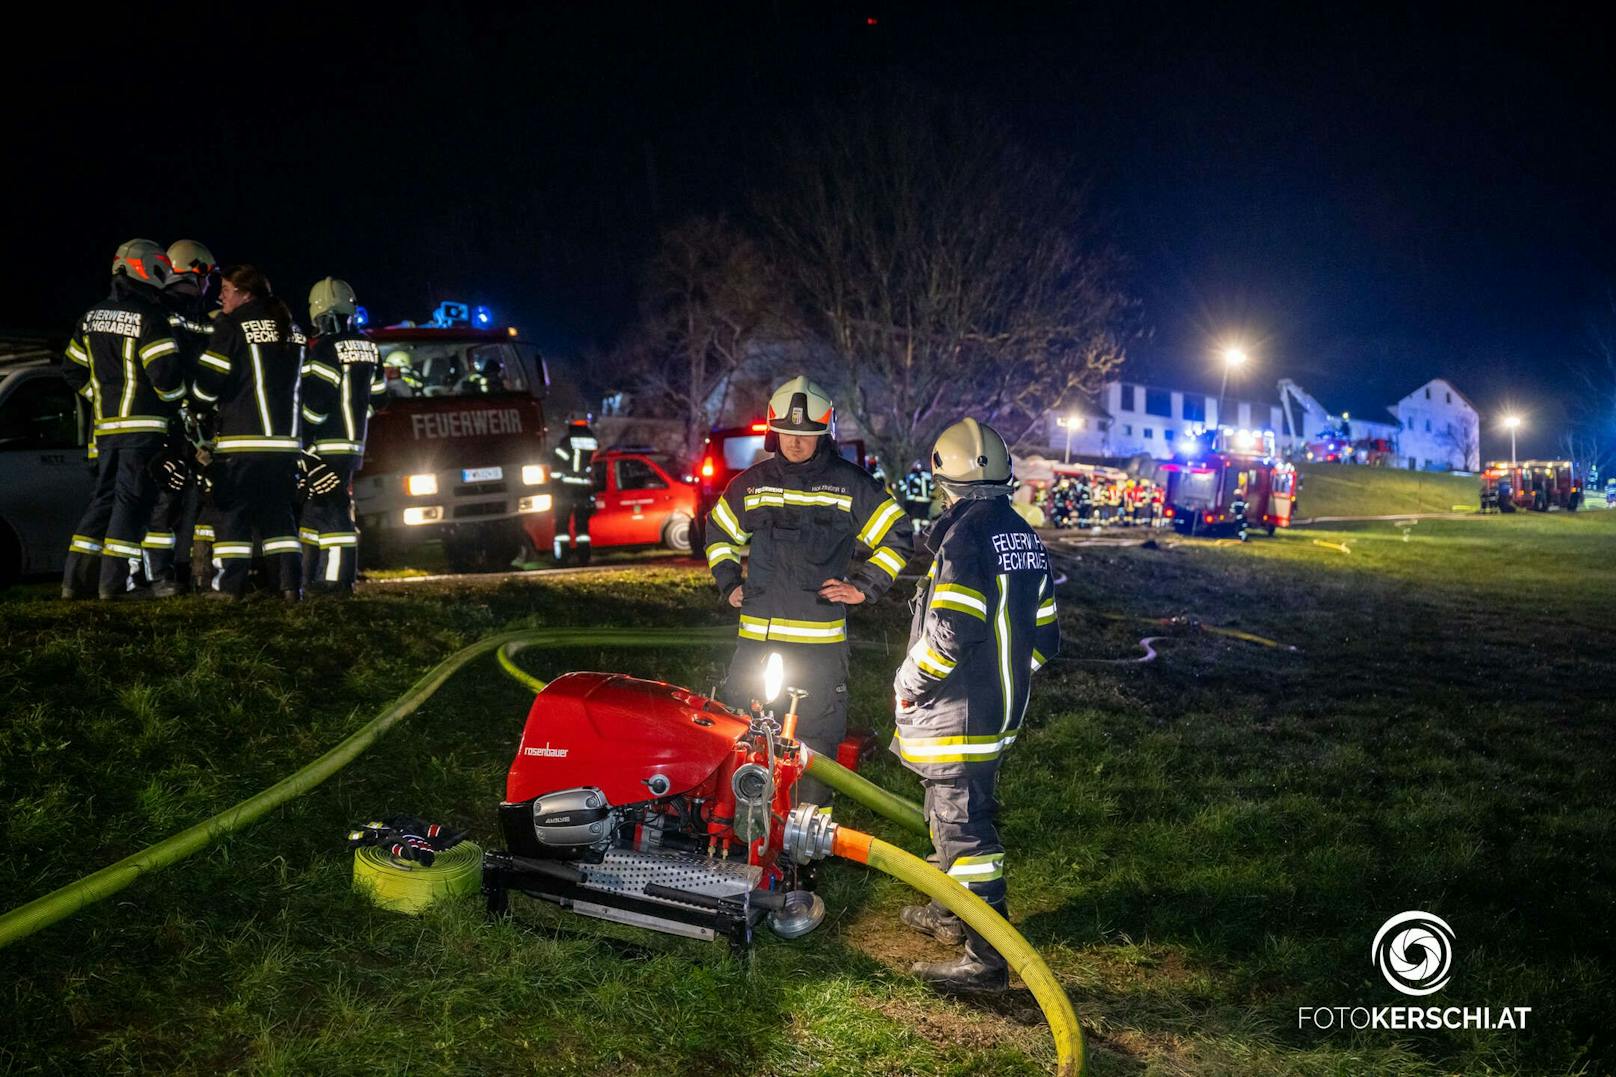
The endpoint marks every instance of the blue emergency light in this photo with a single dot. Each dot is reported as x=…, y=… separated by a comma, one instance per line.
x=482, y=317
x=361, y=317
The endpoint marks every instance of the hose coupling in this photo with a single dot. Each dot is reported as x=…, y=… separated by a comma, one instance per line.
x=809, y=834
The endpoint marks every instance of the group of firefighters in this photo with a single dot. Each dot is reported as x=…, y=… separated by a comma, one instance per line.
x=218, y=423
x=1079, y=501
x=823, y=535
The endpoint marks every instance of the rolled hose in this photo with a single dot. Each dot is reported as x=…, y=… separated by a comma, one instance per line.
x=1035, y=973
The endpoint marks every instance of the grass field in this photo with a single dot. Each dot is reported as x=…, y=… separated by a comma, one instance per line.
x=1348, y=490
x=1198, y=845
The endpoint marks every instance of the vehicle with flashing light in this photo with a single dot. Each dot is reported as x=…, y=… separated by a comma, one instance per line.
x=1538, y=485
x=456, y=450
x=642, y=499
x=1203, y=485
x=44, y=428
x=730, y=450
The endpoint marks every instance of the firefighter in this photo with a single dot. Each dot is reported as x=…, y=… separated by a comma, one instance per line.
x=917, y=494
x=984, y=620
x=1085, y=502
x=574, y=488
x=341, y=380
x=1238, y=507
x=803, y=512
x=166, y=549
x=125, y=353
x=1158, y=505
x=249, y=376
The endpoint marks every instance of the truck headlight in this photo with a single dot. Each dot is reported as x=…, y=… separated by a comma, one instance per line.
x=423, y=514
x=421, y=485
x=535, y=503
x=532, y=474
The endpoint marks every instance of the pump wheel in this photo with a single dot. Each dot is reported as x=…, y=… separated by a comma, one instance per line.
x=676, y=533
x=407, y=887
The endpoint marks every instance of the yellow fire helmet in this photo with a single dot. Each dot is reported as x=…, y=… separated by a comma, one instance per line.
x=970, y=452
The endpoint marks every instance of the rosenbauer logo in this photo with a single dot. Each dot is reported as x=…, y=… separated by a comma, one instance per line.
x=1414, y=952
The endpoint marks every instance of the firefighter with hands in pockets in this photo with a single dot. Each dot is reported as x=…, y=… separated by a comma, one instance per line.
x=984, y=620
x=823, y=535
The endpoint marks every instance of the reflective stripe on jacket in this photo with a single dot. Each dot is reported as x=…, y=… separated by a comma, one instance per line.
x=804, y=524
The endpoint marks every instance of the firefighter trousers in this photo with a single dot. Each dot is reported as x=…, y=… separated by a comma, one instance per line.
x=110, y=531
x=963, y=816
x=254, y=496
x=574, y=505
x=820, y=670
x=329, y=534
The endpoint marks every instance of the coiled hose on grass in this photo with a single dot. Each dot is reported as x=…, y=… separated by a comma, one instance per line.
x=40, y=913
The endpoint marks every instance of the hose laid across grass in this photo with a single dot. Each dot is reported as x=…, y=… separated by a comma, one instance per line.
x=1034, y=971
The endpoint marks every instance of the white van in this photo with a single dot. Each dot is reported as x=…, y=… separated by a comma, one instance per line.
x=45, y=480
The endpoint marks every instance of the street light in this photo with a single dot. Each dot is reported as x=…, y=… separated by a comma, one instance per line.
x=1513, y=422
x=1233, y=356
x=1069, y=423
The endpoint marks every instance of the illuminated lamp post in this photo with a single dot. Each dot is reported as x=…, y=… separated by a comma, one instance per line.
x=1232, y=357
x=1069, y=423
x=1513, y=422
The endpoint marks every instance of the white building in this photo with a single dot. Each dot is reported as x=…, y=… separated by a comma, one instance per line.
x=1130, y=418
x=1435, y=428
x=1440, y=429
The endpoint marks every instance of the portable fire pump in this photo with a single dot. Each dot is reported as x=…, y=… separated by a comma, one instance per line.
x=644, y=803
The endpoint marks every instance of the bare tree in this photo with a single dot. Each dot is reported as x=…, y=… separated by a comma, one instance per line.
x=950, y=271
x=1464, y=440
x=709, y=309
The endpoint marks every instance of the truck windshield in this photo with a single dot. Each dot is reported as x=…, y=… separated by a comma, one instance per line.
x=1197, y=487
x=436, y=369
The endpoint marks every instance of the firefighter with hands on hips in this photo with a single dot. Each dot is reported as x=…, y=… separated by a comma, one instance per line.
x=984, y=620
x=805, y=513
x=341, y=380
x=124, y=351
x=166, y=549
x=574, y=492
x=250, y=377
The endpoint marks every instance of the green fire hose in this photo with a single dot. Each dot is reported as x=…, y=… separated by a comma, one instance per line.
x=40, y=913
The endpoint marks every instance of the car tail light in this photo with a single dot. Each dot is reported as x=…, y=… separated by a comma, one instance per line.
x=707, y=468
x=758, y=428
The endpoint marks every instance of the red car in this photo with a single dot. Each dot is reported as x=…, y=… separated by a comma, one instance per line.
x=641, y=499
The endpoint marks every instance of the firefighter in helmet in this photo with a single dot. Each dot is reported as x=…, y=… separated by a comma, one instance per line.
x=187, y=294
x=1238, y=507
x=574, y=489
x=823, y=536
x=250, y=377
x=984, y=620
x=124, y=350
x=342, y=379
x=917, y=494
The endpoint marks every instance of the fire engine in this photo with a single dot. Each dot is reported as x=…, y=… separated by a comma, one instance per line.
x=1538, y=485
x=456, y=453
x=1202, y=487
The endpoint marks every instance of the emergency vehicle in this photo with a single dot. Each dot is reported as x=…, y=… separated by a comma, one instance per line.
x=641, y=499
x=456, y=453
x=1538, y=485
x=44, y=427
x=1202, y=487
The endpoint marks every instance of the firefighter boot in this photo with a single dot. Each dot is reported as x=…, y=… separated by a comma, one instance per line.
x=941, y=925
x=980, y=970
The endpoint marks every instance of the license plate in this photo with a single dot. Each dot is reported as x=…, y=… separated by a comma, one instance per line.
x=482, y=474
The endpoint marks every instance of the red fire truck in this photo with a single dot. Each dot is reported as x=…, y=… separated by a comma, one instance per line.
x=1539, y=485
x=1202, y=488
x=456, y=455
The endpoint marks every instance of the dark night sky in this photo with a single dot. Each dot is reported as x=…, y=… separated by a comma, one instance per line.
x=1372, y=195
